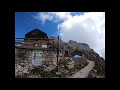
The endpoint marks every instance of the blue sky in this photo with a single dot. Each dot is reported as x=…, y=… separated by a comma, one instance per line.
x=24, y=22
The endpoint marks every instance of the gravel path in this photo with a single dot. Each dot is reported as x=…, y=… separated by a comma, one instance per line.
x=83, y=73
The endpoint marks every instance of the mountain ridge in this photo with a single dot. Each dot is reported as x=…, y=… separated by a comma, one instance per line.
x=88, y=52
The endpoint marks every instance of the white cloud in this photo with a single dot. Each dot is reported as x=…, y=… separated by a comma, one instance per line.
x=55, y=16
x=43, y=17
x=88, y=28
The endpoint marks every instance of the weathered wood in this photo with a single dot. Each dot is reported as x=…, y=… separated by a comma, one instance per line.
x=39, y=48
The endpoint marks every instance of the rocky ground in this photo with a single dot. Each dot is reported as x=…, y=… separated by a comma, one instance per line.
x=83, y=73
x=65, y=69
x=98, y=71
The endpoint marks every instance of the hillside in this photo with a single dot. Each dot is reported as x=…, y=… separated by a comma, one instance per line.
x=88, y=53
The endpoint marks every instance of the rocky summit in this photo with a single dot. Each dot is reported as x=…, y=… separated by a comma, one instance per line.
x=84, y=48
x=88, y=53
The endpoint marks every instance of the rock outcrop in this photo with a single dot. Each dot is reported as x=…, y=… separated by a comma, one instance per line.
x=87, y=53
x=84, y=48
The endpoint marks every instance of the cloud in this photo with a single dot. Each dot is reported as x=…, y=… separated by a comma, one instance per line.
x=43, y=17
x=52, y=16
x=86, y=28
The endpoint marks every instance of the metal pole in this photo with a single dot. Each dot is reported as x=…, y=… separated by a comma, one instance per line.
x=59, y=41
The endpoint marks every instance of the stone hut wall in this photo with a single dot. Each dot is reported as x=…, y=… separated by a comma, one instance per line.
x=32, y=43
x=23, y=60
x=49, y=58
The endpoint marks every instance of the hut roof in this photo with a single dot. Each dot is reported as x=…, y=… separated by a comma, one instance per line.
x=36, y=33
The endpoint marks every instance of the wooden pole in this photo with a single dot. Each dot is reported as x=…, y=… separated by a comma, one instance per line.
x=57, y=53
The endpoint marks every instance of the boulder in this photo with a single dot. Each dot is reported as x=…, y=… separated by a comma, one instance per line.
x=49, y=68
x=70, y=64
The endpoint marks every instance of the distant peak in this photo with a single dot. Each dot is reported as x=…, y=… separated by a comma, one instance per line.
x=70, y=41
x=84, y=44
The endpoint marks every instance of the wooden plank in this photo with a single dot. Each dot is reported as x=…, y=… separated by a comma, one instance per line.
x=39, y=48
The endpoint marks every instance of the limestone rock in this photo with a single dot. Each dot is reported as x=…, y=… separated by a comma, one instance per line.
x=70, y=64
x=49, y=68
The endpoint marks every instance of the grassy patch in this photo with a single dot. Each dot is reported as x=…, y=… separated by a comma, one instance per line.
x=100, y=67
x=40, y=71
x=23, y=76
x=90, y=76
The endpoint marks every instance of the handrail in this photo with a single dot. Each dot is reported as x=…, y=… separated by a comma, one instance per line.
x=37, y=38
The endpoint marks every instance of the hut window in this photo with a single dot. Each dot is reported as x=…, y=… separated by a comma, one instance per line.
x=66, y=52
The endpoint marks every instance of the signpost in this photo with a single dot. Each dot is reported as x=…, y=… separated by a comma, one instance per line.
x=44, y=46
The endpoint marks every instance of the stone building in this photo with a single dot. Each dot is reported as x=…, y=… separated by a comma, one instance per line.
x=35, y=51
x=35, y=38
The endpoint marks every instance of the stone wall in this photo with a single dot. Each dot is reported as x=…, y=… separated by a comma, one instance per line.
x=32, y=43
x=49, y=58
x=23, y=60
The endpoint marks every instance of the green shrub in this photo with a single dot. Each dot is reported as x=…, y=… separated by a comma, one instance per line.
x=100, y=67
x=23, y=76
x=90, y=76
x=43, y=73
